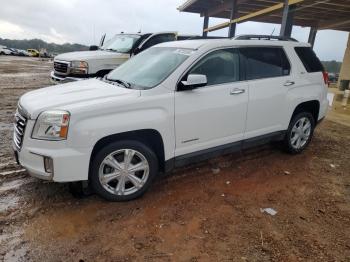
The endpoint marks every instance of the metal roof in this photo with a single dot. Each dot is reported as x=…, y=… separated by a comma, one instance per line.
x=323, y=14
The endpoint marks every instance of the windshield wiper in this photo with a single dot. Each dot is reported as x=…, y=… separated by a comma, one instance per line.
x=119, y=81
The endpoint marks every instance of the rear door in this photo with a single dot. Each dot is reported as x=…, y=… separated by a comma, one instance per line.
x=267, y=71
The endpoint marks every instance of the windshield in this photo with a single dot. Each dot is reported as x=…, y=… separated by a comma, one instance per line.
x=120, y=43
x=150, y=67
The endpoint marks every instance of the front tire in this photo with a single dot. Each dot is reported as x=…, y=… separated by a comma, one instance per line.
x=123, y=170
x=299, y=133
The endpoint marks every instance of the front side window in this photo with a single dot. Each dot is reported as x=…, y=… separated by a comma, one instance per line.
x=220, y=66
x=151, y=67
x=265, y=62
x=121, y=43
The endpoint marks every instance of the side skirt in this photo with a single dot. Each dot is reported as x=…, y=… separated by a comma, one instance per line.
x=206, y=154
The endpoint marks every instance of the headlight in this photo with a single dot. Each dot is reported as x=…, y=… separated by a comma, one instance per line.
x=79, y=67
x=51, y=125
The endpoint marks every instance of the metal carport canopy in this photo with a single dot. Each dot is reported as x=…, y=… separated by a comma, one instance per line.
x=320, y=14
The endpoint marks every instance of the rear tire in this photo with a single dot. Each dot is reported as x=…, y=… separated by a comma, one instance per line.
x=123, y=170
x=299, y=133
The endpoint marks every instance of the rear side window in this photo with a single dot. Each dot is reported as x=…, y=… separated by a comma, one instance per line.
x=264, y=62
x=309, y=59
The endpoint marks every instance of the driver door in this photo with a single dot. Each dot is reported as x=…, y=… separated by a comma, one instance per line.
x=215, y=114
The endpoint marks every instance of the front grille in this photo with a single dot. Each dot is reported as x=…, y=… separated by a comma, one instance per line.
x=19, y=128
x=60, y=67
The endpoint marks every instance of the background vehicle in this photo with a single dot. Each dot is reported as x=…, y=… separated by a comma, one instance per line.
x=85, y=64
x=5, y=51
x=34, y=52
x=22, y=52
x=14, y=51
x=43, y=53
x=173, y=104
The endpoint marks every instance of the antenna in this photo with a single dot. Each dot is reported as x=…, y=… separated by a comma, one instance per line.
x=93, y=30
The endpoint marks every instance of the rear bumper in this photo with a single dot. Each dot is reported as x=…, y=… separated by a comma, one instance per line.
x=324, y=107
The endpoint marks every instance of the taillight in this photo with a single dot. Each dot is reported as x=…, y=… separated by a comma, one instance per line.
x=325, y=77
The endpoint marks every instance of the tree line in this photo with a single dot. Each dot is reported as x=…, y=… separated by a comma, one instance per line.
x=332, y=66
x=38, y=44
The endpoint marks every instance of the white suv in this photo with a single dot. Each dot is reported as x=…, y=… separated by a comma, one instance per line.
x=173, y=104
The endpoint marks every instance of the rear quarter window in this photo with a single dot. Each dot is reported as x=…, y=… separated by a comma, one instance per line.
x=309, y=59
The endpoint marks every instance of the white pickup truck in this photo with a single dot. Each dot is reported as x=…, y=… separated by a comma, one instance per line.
x=173, y=104
x=80, y=65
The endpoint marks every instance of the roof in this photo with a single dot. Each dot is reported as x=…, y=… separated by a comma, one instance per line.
x=213, y=43
x=324, y=14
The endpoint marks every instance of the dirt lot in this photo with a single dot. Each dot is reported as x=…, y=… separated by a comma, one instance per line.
x=207, y=212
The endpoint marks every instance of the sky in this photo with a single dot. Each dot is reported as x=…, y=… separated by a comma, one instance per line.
x=84, y=21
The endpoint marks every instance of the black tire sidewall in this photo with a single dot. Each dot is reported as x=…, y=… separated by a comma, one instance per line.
x=127, y=144
x=295, y=119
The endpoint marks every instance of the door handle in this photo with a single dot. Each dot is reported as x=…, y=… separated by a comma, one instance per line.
x=289, y=83
x=237, y=91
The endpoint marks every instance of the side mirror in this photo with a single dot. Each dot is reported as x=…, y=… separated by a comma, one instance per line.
x=136, y=51
x=193, y=81
x=93, y=48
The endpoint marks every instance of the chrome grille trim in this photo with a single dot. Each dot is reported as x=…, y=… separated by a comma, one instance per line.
x=19, y=129
x=60, y=67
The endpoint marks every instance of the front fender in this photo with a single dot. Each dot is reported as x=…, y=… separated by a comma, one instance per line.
x=86, y=132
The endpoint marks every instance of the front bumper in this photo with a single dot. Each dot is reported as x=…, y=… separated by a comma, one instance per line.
x=68, y=164
x=63, y=79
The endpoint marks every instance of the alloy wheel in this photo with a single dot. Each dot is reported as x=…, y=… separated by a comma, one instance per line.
x=301, y=132
x=124, y=172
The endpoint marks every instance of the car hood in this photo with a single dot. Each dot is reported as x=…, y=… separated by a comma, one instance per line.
x=89, y=55
x=74, y=95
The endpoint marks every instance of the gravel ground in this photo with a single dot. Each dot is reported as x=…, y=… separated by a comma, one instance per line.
x=206, y=212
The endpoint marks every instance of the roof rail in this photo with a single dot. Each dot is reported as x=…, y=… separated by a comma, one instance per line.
x=264, y=37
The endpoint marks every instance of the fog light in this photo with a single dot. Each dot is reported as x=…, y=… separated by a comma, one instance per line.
x=48, y=164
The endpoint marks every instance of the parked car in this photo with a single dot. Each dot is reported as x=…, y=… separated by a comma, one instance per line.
x=14, y=51
x=86, y=64
x=5, y=51
x=33, y=52
x=171, y=105
x=333, y=78
x=44, y=53
x=22, y=52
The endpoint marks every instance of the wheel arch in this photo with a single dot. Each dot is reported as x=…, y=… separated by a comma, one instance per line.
x=149, y=137
x=312, y=106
